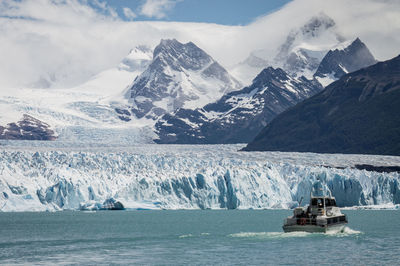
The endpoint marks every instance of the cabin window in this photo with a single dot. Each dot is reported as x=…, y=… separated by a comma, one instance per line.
x=320, y=203
x=314, y=202
x=333, y=202
x=328, y=202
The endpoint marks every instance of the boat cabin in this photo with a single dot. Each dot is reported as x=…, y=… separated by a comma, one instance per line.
x=322, y=202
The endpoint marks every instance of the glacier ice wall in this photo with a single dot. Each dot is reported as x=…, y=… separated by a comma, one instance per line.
x=179, y=176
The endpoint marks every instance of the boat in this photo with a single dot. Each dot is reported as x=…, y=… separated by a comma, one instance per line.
x=320, y=216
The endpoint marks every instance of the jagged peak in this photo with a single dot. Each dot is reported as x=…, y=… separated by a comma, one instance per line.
x=169, y=42
x=320, y=21
x=357, y=43
x=167, y=46
x=274, y=71
x=271, y=73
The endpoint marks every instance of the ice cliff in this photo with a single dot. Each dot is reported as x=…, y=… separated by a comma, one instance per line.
x=185, y=176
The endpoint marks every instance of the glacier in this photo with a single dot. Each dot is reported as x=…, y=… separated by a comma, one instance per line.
x=42, y=176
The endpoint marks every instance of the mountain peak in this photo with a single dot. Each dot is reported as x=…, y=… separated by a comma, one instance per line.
x=180, y=75
x=239, y=115
x=356, y=44
x=306, y=45
x=181, y=56
x=168, y=41
x=341, y=61
x=270, y=73
x=318, y=23
x=137, y=59
x=356, y=114
x=357, y=40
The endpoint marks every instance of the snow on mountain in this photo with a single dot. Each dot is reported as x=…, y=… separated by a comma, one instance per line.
x=300, y=54
x=86, y=112
x=180, y=75
x=111, y=107
x=114, y=81
x=238, y=116
x=190, y=177
x=359, y=113
x=343, y=60
x=304, y=48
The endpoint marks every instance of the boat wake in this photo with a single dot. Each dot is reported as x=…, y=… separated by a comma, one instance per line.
x=347, y=231
x=191, y=235
x=276, y=235
x=269, y=235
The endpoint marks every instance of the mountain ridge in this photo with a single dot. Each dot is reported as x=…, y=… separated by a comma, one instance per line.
x=356, y=114
x=238, y=116
x=339, y=62
x=179, y=75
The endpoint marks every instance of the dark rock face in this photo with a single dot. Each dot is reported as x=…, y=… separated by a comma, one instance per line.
x=28, y=128
x=238, y=116
x=380, y=169
x=337, y=62
x=357, y=114
x=177, y=74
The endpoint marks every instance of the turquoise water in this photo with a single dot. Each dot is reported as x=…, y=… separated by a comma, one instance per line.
x=193, y=237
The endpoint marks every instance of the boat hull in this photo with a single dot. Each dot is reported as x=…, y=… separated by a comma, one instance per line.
x=335, y=228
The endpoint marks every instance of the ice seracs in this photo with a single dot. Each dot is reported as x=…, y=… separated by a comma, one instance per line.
x=63, y=176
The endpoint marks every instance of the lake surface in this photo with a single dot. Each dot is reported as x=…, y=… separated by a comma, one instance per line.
x=211, y=237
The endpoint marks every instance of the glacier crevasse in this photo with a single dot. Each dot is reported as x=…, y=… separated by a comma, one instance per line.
x=62, y=179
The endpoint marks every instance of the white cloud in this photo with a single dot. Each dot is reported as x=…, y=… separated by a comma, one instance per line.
x=68, y=41
x=157, y=8
x=128, y=13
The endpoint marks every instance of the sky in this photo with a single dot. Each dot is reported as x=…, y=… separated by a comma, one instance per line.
x=226, y=12
x=69, y=41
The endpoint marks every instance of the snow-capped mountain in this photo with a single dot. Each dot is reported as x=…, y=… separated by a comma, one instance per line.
x=83, y=113
x=340, y=61
x=180, y=75
x=304, y=48
x=114, y=102
x=359, y=113
x=238, y=116
x=300, y=54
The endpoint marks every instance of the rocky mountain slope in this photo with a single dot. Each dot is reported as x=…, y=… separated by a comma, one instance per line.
x=28, y=128
x=357, y=114
x=180, y=75
x=238, y=116
x=339, y=62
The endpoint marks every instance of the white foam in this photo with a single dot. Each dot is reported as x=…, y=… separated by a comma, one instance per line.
x=186, y=236
x=270, y=235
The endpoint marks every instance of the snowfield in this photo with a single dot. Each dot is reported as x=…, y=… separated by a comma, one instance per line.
x=48, y=176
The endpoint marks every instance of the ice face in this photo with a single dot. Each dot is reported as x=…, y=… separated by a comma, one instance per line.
x=184, y=176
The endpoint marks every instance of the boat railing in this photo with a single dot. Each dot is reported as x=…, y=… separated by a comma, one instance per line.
x=306, y=221
x=301, y=221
